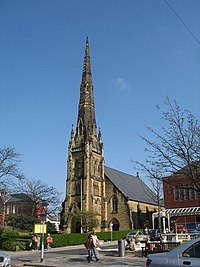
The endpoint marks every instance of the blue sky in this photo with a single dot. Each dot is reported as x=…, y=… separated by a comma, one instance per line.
x=140, y=53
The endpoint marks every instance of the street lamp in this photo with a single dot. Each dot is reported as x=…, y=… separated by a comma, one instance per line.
x=43, y=219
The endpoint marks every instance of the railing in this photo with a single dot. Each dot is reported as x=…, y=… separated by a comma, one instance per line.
x=172, y=237
x=158, y=247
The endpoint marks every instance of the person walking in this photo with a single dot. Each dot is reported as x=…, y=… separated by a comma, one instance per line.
x=89, y=245
x=49, y=241
x=34, y=242
x=96, y=244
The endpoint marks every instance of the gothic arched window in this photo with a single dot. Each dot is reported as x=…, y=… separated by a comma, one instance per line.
x=78, y=168
x=96, y=189
x=114, y=204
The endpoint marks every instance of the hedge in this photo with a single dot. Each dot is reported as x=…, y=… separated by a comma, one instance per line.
x=12, y=240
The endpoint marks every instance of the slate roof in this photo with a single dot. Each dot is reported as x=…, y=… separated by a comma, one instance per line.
x=131, y=186
x=16, y=198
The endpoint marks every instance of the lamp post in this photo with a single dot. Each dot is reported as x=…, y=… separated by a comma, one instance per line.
x=81, y=204
x=43, y=219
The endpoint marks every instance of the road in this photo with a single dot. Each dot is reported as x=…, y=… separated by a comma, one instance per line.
x=76, y=256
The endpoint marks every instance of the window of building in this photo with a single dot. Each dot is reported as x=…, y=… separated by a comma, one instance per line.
x=8, y=210
x=186, y=191
x=96, y=188
x=196, y=192
x=176, y=194
x=14, y=209
x=181, y=192
x=96, y=168
x=78, y=168
x=191, y=192
x=114, y=204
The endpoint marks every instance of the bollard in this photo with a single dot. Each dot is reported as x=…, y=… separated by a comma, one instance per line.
x=121, y=248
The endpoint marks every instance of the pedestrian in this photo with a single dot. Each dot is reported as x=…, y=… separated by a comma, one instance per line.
x=49, y=241
x=38, y=242
x=132, y=245
x=89, y=245
x=96, y=244
x=34, y=242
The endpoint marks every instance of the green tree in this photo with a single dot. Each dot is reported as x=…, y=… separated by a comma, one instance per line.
x=87, y=220
x=21, y=221
x=51, y=227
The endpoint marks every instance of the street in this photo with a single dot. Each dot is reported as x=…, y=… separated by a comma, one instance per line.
x=76, y=256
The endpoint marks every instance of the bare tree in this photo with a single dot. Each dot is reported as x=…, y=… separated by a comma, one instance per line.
x=38, y=191
x=177, y=148
x=9, y=166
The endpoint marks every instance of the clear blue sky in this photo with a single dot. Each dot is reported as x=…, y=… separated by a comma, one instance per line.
x=140, y=53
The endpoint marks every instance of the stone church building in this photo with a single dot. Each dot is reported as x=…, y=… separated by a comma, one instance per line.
x=121, y=201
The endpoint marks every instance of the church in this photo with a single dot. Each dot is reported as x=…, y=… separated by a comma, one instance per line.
x=120, y=200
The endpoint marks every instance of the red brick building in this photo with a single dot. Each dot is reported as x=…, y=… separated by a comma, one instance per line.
x=181, y=201
x=14, y=204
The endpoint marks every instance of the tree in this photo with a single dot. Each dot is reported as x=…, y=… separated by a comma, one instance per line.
x=87, y=220
x=177, y=149
x=37, y=191
x=51, y=227
x=9, y=161
x=21, y=221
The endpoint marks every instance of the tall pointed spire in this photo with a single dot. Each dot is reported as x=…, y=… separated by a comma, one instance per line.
x=87, y=75
x=86, y=122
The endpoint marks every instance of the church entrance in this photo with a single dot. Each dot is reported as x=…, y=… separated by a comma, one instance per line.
x=115, y=224
x=76, y=227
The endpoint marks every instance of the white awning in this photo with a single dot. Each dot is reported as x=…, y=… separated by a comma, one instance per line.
x=178, y=212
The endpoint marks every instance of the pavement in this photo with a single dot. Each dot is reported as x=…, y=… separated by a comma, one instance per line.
x=58, y=257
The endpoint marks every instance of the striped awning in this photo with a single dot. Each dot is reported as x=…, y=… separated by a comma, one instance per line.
x=183, y=211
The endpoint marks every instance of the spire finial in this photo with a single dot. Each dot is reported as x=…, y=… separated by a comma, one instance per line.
x=87, y=75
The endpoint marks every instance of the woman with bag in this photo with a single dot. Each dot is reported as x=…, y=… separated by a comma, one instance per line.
x=49, y=240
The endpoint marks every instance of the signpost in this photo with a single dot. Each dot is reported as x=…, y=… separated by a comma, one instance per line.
x=43, y=220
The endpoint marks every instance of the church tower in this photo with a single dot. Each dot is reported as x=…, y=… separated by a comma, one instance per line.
x=85, y=184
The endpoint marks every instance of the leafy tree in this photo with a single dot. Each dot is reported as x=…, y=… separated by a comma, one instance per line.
x=9, y=161
x=21, y=221
x=51, y=227
x=87, y=220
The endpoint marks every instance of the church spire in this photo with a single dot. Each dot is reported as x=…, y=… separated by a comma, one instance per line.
x=87, y=75
x=86, y=122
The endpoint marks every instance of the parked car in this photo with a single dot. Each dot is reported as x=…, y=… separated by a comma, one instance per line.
x=187, y=254
x=5, y=260
x=137, y=236
x=131, y=235
x=141, y=237
x=154, y=234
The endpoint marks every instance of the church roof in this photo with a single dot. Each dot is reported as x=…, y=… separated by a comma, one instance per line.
x=131, y=186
